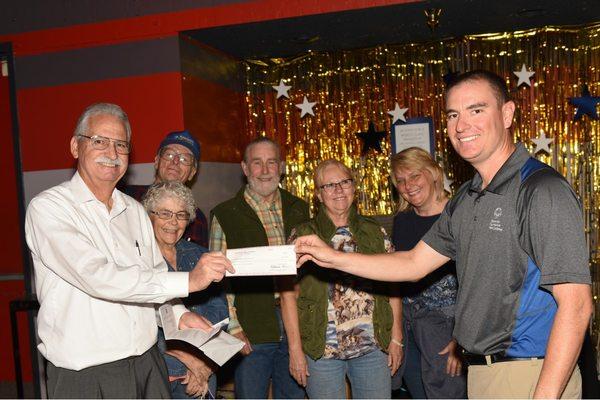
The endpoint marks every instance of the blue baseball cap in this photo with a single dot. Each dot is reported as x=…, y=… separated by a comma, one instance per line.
x=183, y=138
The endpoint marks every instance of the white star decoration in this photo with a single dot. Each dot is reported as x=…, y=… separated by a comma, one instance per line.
x=306, y=107
x=447, y=183
x=398, y=113
x=542, y=143
x=282, y=89
x=524, y=76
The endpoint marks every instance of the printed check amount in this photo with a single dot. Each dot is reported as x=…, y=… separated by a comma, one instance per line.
x=263, y=261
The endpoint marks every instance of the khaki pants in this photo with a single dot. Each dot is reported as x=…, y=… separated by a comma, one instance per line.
x=514, y=379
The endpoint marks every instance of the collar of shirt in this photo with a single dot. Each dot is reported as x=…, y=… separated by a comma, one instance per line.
x=501, y=180
x=82, y=194
x=257, y=202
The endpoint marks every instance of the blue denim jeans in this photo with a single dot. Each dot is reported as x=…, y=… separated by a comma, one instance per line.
x=427, y=332
x=369, y=377
x=267, y=362
x=410, y=370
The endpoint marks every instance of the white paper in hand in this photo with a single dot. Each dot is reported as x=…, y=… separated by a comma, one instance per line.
x=219, y=346
x=263, y=261
x=222, y=347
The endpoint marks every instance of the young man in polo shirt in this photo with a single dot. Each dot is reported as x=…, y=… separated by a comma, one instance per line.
x=516, y=233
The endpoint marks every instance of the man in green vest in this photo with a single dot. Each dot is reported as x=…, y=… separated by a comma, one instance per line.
x=261, y=214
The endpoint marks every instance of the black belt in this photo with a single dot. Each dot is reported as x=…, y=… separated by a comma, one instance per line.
x=478, y=359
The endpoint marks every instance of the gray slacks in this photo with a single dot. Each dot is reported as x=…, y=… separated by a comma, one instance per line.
x=136, y=377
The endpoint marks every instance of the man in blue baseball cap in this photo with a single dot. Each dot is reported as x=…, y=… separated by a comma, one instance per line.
x=177, y=160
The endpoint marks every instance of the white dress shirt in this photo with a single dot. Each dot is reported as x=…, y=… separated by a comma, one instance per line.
x=98, y=276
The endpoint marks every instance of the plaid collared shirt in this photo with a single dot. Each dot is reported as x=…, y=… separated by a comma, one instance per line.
x=270, y=215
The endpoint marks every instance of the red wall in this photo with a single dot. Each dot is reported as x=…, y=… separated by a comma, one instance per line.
x=12, y=261
x=153, y=104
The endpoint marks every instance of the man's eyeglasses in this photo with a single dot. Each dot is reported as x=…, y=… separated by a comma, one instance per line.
x=101, y=143
x=168, y=214
x=183, y=158
x=343, y=184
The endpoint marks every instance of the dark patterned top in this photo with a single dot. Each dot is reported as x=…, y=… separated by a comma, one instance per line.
x=196, y=231
x=436, y=290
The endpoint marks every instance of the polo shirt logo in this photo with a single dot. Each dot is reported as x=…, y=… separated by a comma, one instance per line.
x=495, y=224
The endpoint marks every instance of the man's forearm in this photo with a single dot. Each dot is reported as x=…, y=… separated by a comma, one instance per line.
x=570, y=322
x=400, y=266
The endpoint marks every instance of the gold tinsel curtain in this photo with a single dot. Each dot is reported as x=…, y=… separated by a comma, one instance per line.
x=354, y=87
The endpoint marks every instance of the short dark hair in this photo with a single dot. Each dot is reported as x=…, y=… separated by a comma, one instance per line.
x=262, y=139
x=496, y=82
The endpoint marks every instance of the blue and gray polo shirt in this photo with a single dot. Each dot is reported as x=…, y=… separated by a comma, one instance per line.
x=511, y=242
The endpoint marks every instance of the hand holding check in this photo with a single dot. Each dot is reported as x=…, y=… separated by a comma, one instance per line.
x=210, y=268
x=312, y=248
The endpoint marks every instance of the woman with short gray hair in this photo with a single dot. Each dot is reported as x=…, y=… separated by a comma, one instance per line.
x=171, y=208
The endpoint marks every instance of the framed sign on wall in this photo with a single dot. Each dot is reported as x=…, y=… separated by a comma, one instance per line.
x=415, y=132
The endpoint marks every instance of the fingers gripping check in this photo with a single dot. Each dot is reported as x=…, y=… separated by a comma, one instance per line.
x=210, y=268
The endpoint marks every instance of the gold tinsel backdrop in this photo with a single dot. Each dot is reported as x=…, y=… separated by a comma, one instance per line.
x=352, y=88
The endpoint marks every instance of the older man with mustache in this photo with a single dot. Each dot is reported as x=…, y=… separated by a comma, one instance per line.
x=99, y=273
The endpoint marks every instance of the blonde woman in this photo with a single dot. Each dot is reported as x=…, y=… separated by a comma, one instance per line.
x=431, y=362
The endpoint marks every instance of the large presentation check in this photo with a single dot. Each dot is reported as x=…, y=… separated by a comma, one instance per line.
x=263, y=260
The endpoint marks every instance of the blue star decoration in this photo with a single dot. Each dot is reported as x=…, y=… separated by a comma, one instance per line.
x=586, y=104
x=371, y=139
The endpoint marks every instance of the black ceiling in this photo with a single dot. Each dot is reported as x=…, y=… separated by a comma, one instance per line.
x=392, y=25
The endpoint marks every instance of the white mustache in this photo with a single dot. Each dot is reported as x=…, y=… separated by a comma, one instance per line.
x=105, y=160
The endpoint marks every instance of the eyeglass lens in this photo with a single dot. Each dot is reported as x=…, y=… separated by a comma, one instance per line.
x=168, y=214
x=183, y=158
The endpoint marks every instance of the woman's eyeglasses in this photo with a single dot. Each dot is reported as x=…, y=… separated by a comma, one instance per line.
x=343, y=184
x=168, y=214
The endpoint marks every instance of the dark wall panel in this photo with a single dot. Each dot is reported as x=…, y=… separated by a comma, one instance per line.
x=212, y=65
x=98, y=63
x=21, y=16
x=213, y=114
x=213, y=99
x=11, y=290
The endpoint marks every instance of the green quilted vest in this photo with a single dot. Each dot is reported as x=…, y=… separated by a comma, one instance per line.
x=254, y=299
x=312, y=301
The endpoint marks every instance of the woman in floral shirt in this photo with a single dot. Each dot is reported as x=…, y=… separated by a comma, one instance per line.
x=339, y=325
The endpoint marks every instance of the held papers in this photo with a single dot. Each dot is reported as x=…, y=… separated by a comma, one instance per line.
x=263, y=261
x=217, y=345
